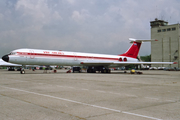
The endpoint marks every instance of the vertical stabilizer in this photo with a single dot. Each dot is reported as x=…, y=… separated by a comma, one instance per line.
x=133, y=50
x=135, y=47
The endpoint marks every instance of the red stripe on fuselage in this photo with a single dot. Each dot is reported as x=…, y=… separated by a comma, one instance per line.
x=63, y=56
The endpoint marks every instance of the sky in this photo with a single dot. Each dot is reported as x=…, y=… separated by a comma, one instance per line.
x=94, y=26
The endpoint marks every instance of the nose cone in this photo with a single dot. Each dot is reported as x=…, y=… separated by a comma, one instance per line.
x=5, y=58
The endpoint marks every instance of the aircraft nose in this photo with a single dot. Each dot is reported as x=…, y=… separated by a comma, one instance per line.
x=5, y=58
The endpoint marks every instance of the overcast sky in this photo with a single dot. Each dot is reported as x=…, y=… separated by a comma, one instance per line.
x=95, y=26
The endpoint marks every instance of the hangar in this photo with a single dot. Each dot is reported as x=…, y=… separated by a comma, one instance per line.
x=166, y=49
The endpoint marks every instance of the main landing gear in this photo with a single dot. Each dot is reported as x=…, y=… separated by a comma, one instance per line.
x=22, y=71
x=100, y=69
x=78, y=69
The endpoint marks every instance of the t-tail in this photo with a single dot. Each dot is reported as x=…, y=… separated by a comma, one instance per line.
x=135, y=47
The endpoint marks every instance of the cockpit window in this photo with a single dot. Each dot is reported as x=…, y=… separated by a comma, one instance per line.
x=12, y=53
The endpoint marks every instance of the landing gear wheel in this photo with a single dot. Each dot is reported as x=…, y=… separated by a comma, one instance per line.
x=22, y=72
x=105, y=71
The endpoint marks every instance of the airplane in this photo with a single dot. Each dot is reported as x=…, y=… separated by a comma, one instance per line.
x=94, y=62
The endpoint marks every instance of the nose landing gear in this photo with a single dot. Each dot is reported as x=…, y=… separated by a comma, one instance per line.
x=22, y=71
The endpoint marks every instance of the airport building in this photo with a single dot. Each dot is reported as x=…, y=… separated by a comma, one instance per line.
x=167, y=48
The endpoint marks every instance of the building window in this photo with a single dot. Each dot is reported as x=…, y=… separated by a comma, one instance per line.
x=173, y=28
x=169, y=29
x=159, y=30
x=163, y=30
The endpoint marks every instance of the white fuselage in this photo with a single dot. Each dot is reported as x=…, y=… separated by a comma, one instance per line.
x=61, y=58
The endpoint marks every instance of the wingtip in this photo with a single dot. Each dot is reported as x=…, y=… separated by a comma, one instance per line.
x=174, y=62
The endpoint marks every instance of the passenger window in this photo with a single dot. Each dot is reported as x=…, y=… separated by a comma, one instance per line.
x=12, y=53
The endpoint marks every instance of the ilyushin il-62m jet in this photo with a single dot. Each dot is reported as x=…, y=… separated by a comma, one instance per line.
x=94, y=62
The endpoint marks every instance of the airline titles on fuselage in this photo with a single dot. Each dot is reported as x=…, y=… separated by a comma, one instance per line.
x=48, y=52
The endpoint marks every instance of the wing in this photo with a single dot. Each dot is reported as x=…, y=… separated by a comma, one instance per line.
x=138, y=63
x=10, y=65
x=121, y=63
x=97, y=63
x=6, y=64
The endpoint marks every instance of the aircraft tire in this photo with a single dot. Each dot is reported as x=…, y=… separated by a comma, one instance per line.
x=22, y=72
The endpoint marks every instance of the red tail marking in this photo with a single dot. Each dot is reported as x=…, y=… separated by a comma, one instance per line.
x=133, y=50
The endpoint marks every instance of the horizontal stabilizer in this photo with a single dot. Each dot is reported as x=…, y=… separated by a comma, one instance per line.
x=141, y=40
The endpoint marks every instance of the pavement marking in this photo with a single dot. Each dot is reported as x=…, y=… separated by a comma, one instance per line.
x=84, y=89
x=103, y=91
x=136, y=88
x=41, y=83
x=71, y=87
x=20, y=81
x=171, y=100
x=81, y=103
x=152, y=98
x=141, y=115
x=65, y=86
x=159, y=99
x=131, y=95
x=100, y=91
x=96, y=91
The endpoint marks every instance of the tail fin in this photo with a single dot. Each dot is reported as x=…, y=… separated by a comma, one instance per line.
x=135, y=47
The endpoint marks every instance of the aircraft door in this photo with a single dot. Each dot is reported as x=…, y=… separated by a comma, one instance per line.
x=89, y=58
x=30, y=57
x=32, y=54
x=75, y=56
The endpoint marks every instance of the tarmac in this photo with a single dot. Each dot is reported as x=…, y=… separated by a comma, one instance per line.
x=153, y=95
